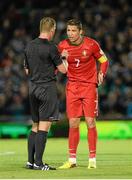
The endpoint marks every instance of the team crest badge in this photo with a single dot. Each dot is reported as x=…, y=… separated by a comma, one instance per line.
x=84, y=53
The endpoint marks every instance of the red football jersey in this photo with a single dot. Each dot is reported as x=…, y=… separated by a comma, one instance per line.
x=82, y=59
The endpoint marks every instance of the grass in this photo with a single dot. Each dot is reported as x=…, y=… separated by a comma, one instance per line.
x=114, y=160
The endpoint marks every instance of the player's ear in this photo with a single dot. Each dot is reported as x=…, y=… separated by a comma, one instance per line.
x=81, y=32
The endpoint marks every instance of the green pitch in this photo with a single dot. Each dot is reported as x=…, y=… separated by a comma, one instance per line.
x=114, y=160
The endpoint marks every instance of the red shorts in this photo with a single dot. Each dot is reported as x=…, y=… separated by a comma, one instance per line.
x=81, y=99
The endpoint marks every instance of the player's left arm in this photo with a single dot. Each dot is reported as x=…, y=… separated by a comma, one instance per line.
x=104, y=63
x=103, y=69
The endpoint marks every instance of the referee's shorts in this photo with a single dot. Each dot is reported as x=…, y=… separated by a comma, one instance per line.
x=44, y=102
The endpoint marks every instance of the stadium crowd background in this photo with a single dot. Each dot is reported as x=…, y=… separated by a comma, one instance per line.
x=109, y=22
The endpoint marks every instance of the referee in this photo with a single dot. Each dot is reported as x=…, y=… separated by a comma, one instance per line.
x=41, y=60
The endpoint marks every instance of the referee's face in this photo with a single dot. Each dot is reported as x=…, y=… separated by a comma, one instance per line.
x=73, y=33
x=52, y=32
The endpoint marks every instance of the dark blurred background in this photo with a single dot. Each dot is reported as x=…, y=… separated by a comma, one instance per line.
x=107, y=21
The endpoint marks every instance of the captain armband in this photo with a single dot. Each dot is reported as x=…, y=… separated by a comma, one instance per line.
x=102, y=59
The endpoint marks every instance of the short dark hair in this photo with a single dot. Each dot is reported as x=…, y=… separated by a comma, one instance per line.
x=75, y=22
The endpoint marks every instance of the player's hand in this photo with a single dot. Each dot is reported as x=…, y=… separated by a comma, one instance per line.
x=64, y=54
x=100, y=78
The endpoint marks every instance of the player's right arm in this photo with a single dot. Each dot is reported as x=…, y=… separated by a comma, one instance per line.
x=62, y=68
x=56, y=58
x=64, y=54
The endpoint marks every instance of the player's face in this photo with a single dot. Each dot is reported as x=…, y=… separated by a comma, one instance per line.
x=73, y=33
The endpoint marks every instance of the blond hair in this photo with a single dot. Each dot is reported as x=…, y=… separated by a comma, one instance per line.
x=46, y=24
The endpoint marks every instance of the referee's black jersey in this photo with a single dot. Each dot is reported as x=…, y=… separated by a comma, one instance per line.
x=41, y=58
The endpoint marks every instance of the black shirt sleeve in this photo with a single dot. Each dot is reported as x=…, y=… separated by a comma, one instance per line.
x=26, y=66
x=55, y=55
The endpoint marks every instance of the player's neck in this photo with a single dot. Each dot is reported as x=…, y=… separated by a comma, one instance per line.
x=78, y=41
